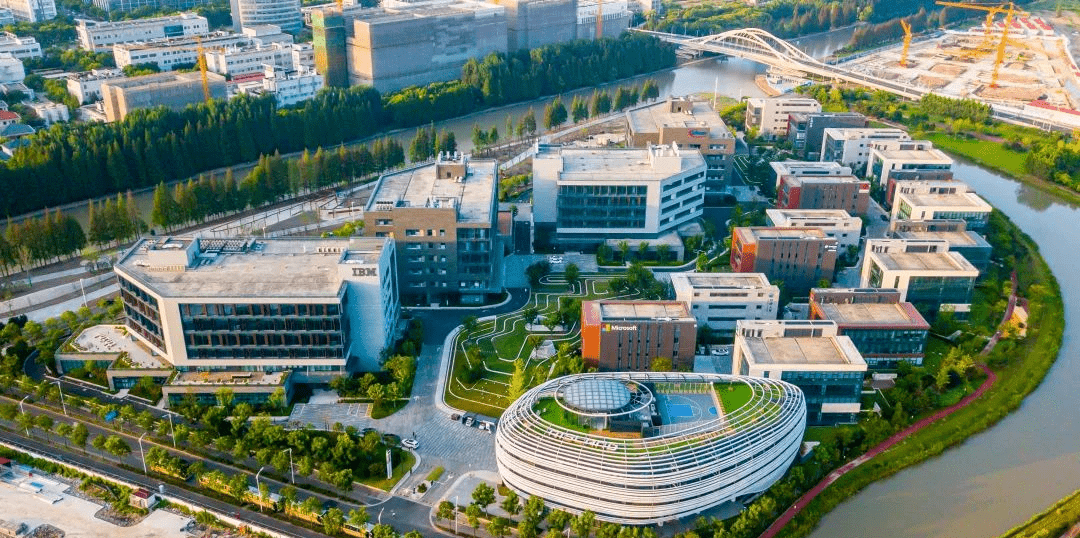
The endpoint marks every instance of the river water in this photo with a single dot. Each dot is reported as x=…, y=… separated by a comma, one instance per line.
x=1029, y=460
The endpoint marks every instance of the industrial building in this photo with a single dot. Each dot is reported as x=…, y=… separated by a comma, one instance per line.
x=655, y=432
x=806, y=129
x=836, y=223
x=718, y=300
x=907, y=156
x=583, y=196
x=630, y=335
x=851, y=146
x=925, y=272
x=966, y=206
x=800, y=257
x=98, y=36
x=316, y=307
x=691, y=125
x=284, y=14
x=811, y=355
x=443, y=217
x=884, y=333
x=172, y=90
x=769, y=116
x=534, y=23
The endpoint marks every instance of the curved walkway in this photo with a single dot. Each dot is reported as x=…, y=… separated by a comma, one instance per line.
x=896, y=438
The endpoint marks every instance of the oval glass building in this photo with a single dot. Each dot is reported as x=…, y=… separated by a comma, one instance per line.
x=649, y=447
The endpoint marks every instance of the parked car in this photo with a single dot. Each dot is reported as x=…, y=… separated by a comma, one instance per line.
x=410, y=443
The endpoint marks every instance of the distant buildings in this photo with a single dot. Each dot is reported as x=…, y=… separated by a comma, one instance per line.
x=284, y=14
x=617, y=16
x=168, y=54
x=315, y=307
x=836, y=223
x=806, y=129
x=535, y=23
x=173, y=90
x=50, y=112
x=11, y=69
x=6, y=17
x=30, y=10
x=811, y=355
x=718, y=300
x=800, y=257
x=23, y=48
x=584, y=196
x=631, y=335
x=885, y=333
x=101, y=36
x=770, y=115
x=86, y=86
x=817, y=185
x=927, y=274
x=287, y=87
x=851, y=146
x=443, y=217
x=121, y=6
x=240, y=60
x=691, y=125
x=907, y=156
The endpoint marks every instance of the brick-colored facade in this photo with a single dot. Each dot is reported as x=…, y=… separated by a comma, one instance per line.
x=628, y=335
x=800, y=257
x=834, y=192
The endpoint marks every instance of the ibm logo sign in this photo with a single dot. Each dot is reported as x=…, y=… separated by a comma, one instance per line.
x=365, y=271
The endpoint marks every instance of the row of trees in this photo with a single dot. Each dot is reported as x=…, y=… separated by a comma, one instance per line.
x=38, y=240
x=427, y=143
x=160, y=145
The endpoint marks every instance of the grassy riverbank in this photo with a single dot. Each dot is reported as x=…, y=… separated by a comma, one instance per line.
x=1020, y=365
x=1052, y=522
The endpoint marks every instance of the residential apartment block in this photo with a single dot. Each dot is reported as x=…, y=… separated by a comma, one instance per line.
x=904, y=156
x=173, y=90
x=836, y=223
x=101, y=36
x=851, y=146
x=925, y=272
x=806, y=129
x=966, y=206
x=691, y=125
x=584, y=196
x=800, y=257
x=811, y=355
x=770, y=115
x=718, y=300
x=630, y=335
x=443, y=217
x=885, y=333
x=317, y=307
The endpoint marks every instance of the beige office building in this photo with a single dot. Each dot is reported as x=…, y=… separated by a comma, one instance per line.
x=172, y=90
x=690, y=125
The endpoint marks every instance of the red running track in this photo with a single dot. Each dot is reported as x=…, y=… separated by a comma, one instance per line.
x=991, y=377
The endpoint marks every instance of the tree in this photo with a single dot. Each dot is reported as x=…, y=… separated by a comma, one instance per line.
x=498, y=527
x=224, y=397
x=554, y=114
x=79, y=434
x=662, y=252
x=529, y=314
x=649, y=90
x=624, y=251
x=558, y=519
x=333, y=521
x=512, y=503
x=519, y=382
x=446, y=510
x=359, y=517
x=662, y=364
x=311, y=506
x=582, y=524
x=579, y=109
x=527, y=124
x=483, y=495
x=469, y=323
x=601, y=103
x=572, y=274
x=473, y=513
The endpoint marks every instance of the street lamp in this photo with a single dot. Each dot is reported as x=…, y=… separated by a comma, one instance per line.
x=173, y=429
x=21, y=408
x=456, y=505
x=258, y=487
x=292, y=471
x=83, y=288
x=143, y=454
x=61, y=389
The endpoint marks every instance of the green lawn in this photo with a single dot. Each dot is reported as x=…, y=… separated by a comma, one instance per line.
x=551, y=411
x=1053, y=522
x=400, y=468
x=733, y=395
x=992, y=154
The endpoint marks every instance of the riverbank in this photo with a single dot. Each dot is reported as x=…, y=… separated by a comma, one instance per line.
x=1020, y=368
x=1060, y=520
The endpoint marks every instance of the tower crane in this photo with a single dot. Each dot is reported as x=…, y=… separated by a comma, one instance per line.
x=1010, y=11
x=907, y=42
x=202, y=68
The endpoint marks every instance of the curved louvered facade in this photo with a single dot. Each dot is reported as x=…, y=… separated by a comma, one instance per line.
x=669, y=468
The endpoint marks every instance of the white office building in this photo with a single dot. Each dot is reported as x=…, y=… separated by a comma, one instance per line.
x=6, y=17
x=30, y=10
x=183, y=51
x=966, y=206
x=282, y=13
x=22, y=48
x=50, y=112
x=770, y=115
x=101, y=36
x=11, y=69
x=905, y=156
x=836, y=223
x=241, y=60
x=303, y=55
x=851, y=146
x=318, y=307
x=287, y=87
x=718, y=300
x=86, y=86
x=584, y=196
x=927, y=274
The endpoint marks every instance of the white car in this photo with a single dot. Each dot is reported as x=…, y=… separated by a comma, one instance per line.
x=410, y=443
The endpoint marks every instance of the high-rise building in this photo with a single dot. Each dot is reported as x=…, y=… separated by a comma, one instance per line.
x=328, y=39
x=443, y=217
x=800, y=257
x=284, y=14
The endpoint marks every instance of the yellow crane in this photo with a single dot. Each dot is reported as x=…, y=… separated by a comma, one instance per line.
x=907, y=42
x=1010, y=11
x=202, y=68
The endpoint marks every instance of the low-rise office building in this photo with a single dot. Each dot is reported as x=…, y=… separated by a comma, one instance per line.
x=718, y=300
x=905, y=156
x=170, y=53
x=630, y=335
x=800, y=257
x=287, y=87
x=97, y=36
x=691, y=125
x=23, y=48
x=925, y=272
x=318, y=307
x=583, y=196
x=811, y=355
x=836, y=223
x=806, y=129
x=884, y=333
x=921, y=185
x=770, y=115
x=173, y=90
x=966, y=206
x=444, y=219
x=50, y=112
x=240, y=60
x=969, y=244
x=855, y=295
x=86, y=86
x=851, y=146
x=782, y=169
x=843, y=193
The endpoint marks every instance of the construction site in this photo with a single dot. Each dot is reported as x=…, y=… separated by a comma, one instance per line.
x=1012, y=59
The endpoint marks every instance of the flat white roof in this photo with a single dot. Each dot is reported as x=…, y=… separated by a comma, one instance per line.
x=473, y=195
x=651, y=119
x=621, y=165
x=704, y=281
x=924, y=261
x=853, y=133
x=958, y=200
x=809, y=350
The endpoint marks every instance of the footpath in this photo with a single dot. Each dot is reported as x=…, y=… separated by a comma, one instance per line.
x=896, y=438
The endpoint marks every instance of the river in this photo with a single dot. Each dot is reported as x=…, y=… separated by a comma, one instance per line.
x=733, y=78
x=1001, y=477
